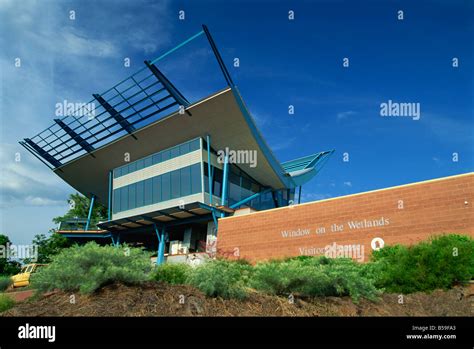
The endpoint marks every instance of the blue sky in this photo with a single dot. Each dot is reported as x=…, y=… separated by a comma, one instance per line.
x=282, y=63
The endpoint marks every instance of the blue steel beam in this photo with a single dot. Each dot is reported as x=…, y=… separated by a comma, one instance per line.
x=77, y=138
x=250, y=198
x=115, y=114
x=44, y=154
x=224, y=70
x=173, y=91
x=91, y=207
x=177, y=47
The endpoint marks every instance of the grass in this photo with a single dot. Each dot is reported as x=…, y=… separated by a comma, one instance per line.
x=6, y=302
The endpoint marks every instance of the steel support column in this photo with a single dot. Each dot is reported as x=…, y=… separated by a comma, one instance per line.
x=299, y=195
x=160, y=234
x=209, y=174
x=224, y=182
x=89, y=216
x=109, y=208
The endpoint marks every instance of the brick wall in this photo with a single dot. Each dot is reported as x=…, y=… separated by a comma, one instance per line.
x=405, y=214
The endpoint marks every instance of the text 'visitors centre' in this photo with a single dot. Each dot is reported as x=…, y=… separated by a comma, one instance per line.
x=166, y=167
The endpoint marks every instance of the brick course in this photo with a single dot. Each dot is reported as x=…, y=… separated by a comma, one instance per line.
x=429, y=208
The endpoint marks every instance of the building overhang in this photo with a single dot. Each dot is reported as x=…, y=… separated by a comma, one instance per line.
x=218, y=115
x=173, y=216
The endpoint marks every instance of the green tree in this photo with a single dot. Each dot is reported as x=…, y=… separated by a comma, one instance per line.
x=50, y=246
x=7, y=266
x=79, y=208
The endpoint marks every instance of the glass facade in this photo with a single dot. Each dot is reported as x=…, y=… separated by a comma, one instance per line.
x=181, y=182
x=242, y=186
x=156, y=158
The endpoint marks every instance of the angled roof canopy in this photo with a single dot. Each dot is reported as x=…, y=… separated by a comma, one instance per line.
x=301, y=170
x=140, y=116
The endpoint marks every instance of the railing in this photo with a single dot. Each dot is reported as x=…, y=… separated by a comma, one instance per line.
x=77, y=224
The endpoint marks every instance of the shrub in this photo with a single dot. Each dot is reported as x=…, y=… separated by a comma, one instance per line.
x=5, y=282
x=314, y=277
x=6, y=302
x=438, y=263
x=89, y=267
x=222, y=278
x=172, y=273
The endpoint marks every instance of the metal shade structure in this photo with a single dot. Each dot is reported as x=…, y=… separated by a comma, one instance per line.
x=143, y=114
x=301, y=170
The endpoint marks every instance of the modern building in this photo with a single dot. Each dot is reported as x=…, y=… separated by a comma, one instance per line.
x=168, y=169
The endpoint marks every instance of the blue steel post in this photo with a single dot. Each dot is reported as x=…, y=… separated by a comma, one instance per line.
x=208, y=140
x=110, y=197
x=160, y=233
x=299, y=195
x=209, y=176
x=90, y=212
x=224, y=182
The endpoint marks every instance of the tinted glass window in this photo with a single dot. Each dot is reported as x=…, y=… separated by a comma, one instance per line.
x=140, y=193
x=149, y=191
x=140, y=164
x=165, y=186
x=132, y=196
x=116, y=201
x=234, y=192
x=156, y=189
x=117, y=172
x=184, y=149
x=196, y=178
x=123, y=198
x=165, y=155
x=175, y=184
x=125, y=170
x=148, y=161
x=185, y=181
x=174, y=152
x=156, y=158
x=194, y=145
x=132, y=167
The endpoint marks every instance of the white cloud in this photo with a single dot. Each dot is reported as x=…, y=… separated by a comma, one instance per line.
x=28, y=182
x=345, y=114
x=77, y=44
x=347, y=184
x=308, y=197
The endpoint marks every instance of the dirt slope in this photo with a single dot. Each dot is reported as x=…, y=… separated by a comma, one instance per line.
x=167, y=300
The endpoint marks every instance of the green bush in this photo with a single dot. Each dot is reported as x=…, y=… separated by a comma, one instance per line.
x=438, y=263
x=222, y=278
x=310, y=276
x=172, y=273
x=88, y=267
x=6, y=302
x=5, y=282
